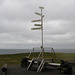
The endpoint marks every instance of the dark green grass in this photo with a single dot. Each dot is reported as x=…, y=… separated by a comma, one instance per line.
x=66, y=56
x=13, y=59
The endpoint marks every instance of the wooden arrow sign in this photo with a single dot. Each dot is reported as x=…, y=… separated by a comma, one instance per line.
x=41, y=7
x=38, y=13
x=35, y=20
x=37, y=24
x=35, y=28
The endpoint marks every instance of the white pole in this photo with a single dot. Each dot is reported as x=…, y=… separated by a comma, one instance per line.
x=42, y=48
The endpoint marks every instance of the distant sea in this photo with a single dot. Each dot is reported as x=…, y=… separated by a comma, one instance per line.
x=15, y=51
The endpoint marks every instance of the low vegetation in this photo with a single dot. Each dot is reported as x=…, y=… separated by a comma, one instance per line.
x=13, y=59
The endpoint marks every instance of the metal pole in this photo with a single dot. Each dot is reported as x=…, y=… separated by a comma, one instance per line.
x=42, y=33
x=42, y=48
x=33, y=52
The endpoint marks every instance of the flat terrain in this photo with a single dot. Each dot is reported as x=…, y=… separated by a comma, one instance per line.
x=17, y=70
x=13, y=59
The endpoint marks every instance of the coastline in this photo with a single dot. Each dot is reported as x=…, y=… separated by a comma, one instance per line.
x=16, y=51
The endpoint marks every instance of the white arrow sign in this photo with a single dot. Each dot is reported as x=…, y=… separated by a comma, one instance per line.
x=35, y=20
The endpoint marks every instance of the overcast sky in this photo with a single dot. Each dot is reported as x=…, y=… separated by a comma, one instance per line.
x=16, y=17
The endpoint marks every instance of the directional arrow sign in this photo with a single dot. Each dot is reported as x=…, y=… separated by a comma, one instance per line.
x=35, y=28
x=37, y=13
x=35, y=20
x=37, y=24
x=41, y=7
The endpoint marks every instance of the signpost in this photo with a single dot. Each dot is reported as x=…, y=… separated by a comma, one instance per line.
x=40, y=27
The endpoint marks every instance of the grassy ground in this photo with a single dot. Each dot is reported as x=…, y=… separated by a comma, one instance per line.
x=11, y=59
x=16, y=58
x=66, y=56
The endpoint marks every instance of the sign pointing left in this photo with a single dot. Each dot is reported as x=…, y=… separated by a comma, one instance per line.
x=38, y=13
x=35, y=20
x=35, y=28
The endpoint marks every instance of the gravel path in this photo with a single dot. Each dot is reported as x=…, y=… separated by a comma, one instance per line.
x=17, y=70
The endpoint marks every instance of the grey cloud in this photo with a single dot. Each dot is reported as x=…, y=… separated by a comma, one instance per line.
x=15, y=23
